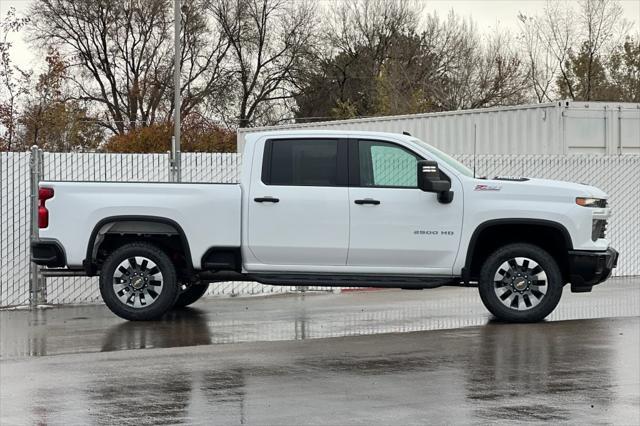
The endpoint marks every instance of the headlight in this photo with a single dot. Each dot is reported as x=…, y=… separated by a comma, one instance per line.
x=591, y=202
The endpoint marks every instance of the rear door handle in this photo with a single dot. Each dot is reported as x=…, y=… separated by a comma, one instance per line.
x=368, y=201
x=266, y=200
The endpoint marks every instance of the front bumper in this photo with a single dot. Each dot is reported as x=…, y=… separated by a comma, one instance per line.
x=588, y=268
x=48, y=253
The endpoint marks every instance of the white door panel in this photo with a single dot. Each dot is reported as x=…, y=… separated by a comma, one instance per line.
x=308, y=226
x=405, y=228
x=409, y=228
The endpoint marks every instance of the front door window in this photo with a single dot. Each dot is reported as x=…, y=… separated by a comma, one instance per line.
x=386, y=165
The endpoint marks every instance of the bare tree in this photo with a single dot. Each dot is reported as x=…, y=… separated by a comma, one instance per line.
x=14, y=82
x=122, y=53
x=542, y=66
x=366, y=56
x=603, y=26
x=374, y=25
x=560, y=33
x=270, y=40
x=205, y=56
x=434, y=70
x=624, y=68
x=484, y=73
x=556, y=27
x=381, y=61
x=50, y=120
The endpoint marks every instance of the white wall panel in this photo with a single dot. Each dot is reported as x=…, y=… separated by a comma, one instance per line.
x=554, y=128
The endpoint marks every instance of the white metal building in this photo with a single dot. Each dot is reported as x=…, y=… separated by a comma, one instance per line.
x=564, y=127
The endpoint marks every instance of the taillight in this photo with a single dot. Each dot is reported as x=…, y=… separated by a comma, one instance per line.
x=43, y=214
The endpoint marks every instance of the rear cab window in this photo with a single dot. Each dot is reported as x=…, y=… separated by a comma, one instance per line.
x=305, y=162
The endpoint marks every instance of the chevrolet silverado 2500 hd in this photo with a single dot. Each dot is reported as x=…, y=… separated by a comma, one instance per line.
x=336, y=209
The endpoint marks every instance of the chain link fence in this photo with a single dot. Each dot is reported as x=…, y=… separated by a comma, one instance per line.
x=15, y=223
x=619, y=176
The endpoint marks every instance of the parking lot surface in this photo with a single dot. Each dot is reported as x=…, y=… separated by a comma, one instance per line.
x=380, y=357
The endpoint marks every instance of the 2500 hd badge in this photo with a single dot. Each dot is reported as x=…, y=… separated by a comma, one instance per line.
x=422, y=232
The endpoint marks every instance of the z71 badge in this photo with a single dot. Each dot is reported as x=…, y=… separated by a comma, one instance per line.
x=485, y=187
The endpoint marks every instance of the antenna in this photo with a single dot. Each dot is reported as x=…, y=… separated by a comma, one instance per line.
x=475, y=146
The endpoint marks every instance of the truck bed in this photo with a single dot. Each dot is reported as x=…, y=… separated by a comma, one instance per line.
x=209, y=214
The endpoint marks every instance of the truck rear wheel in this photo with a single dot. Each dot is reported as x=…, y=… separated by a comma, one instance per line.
x=191, y=295
x=520, y=283
x=138, y=282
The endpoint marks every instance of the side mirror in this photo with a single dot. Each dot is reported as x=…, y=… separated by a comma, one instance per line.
x=429, y=180
x=429, y=177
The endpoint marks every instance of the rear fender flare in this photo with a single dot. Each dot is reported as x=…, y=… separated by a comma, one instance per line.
x=89, y=261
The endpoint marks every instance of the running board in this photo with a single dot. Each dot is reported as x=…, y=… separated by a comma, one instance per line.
x=62, y=272
x=348, y=280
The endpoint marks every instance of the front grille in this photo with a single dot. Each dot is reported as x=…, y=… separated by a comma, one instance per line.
x=598, y=229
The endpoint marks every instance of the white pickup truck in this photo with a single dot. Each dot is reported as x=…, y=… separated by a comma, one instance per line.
x=331, y=208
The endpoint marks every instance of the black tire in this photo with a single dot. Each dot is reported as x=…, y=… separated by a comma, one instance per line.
x=120, y=292
x=501, y=287
x=191, y=295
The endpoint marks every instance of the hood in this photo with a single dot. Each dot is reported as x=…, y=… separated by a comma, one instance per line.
x=580, y=189
x=543, y=186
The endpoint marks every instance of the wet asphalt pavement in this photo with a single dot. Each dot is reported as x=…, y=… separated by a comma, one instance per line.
x=380, y=357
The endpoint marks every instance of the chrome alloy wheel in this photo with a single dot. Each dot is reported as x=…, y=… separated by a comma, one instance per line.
x=520, y=283
x=137, y=282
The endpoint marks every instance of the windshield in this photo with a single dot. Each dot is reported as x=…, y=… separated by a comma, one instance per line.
x=449, y=160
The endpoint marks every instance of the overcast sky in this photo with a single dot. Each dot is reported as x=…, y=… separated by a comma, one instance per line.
x=488, y=14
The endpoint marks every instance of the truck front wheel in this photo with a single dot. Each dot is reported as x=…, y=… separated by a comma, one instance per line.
x=520, y=283
x=138, y=282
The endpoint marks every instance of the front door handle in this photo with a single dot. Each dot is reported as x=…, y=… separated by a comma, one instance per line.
x=367, y=201
x=266, y=200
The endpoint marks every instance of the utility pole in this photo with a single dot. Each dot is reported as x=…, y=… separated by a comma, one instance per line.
x=175, y=141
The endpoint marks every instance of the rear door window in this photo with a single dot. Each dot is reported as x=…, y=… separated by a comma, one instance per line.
x=304, y=162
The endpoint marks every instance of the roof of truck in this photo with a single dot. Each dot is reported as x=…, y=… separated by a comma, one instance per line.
x=307, y=132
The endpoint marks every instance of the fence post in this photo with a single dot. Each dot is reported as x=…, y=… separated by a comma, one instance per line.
x=42, y=280
x=34, y=270
x=175, y=163
x=171, y=162
x=178, y=166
